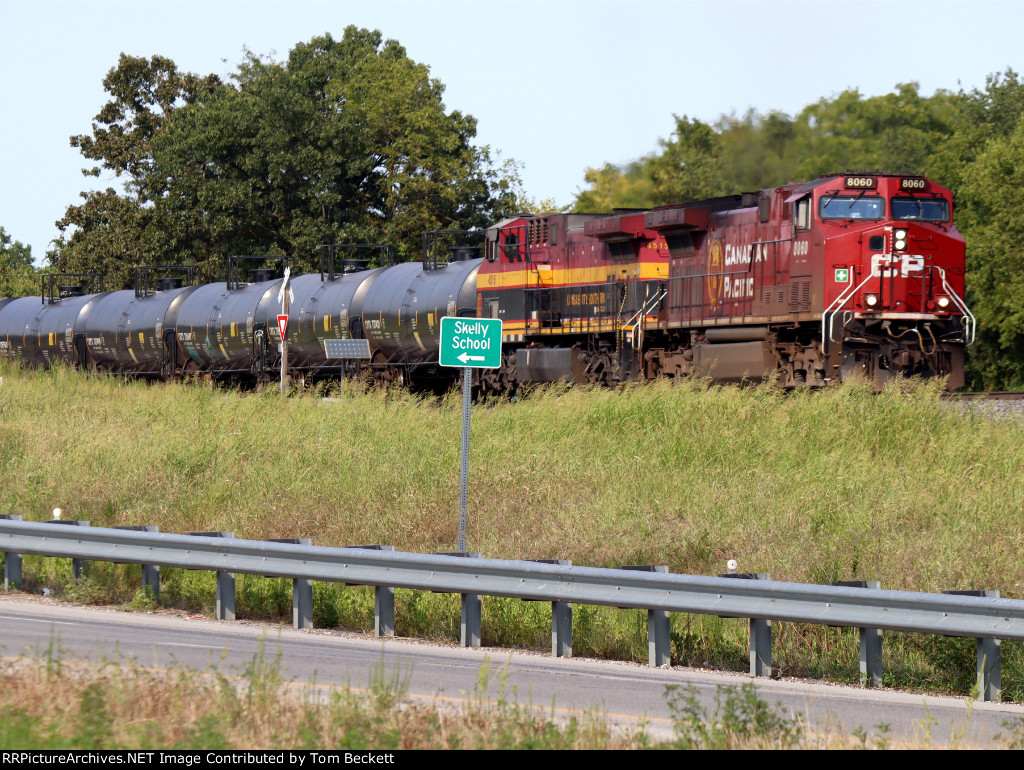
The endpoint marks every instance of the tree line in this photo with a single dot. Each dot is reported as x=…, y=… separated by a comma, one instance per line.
x=349, y=141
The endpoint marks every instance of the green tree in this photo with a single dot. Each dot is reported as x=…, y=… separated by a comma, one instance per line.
x=995, y=260
x=757, y=150
x=611, y=186
x=346, y=140
x=18, y=277
x=690, y=164
x=689, y=167
x=111, y=232
x=900, y=131
x=897, y=132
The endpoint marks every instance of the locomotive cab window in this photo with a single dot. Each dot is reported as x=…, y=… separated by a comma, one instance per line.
x=922, y=209
x=511, y=248
x=803, y=214
x=850, y=207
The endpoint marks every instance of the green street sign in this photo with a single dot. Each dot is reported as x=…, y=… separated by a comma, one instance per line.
x=471, y=342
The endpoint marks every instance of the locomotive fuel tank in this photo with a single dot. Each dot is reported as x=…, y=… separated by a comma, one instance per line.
x=125, y=331
x=216, y=325
x=41, y=332
x=322, y=309
x=403, y=308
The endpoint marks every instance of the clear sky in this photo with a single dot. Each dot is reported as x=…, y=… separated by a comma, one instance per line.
x=557, y=85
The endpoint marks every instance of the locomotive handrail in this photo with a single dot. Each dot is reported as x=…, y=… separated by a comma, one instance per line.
x=838, y=303
x=961, y=306
x=643, y=312
x=970, y=323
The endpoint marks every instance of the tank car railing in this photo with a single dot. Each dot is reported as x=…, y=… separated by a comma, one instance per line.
x=328, y=251
x=435, y=240
x=986, y=618
x=231, y=278
x=144, y=274
x=52, y=292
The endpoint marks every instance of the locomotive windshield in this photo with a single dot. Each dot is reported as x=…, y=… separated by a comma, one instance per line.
x=924, y=209
x=850, y=207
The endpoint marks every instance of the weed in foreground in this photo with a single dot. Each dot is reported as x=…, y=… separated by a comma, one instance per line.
x=389, y=685
x=740, y=719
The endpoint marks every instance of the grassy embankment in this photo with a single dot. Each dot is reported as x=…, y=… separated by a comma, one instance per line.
x=810, y=486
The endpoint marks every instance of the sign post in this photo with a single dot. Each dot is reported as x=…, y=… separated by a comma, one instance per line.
x=345, y=349
x=285, y=296
x=468, y=343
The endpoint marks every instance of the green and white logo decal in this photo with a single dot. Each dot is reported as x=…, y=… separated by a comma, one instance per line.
x=842, y=275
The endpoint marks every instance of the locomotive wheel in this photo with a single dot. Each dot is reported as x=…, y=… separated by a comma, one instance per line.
x=591, y=367
x=502, y=379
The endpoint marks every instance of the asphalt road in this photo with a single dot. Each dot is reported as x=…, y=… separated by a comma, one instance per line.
x=626, y=693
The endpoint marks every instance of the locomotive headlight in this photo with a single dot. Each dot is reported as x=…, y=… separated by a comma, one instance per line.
x=871, y=300
x=899, y=240
x=942, y=302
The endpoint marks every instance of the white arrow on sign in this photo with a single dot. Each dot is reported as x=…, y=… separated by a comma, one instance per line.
x=467, y=357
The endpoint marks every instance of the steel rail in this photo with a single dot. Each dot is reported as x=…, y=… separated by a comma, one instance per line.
x=985, y=395
x=949, y=615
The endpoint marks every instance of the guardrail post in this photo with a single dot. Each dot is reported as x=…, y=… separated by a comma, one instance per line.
x=990, y=674
x=150, y=572
x=225, y=609
x=870, y=641
x=472, y=607
x=561, y=619
x=383, y=600
x=302, y=589
x=12, y=561
x=383, y=611
x=990, y=669
x=78, y=566
x=760, y=631
x=659, y=647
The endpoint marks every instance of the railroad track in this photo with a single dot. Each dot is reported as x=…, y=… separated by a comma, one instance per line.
x=988, y=395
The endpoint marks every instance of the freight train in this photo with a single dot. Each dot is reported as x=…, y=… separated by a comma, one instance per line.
x=849, y=274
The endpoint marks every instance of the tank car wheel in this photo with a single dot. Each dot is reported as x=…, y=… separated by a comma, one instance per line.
x=192, y=372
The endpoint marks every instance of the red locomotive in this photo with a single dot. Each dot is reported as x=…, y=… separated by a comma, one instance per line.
x=808, y=283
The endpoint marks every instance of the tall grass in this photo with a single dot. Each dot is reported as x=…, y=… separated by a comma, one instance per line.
x=808, y=486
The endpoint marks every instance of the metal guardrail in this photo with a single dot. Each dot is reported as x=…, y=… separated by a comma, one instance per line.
x=985, y=618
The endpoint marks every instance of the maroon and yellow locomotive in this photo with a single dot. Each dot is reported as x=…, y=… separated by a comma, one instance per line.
x=807, y=283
